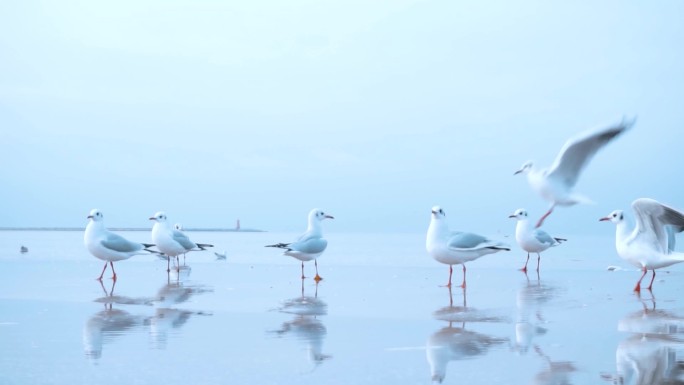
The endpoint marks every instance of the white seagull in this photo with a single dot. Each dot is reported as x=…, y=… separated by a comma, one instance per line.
x=108, y=246
x=650, y=245
x=456, y=248
x=556, y=183
x=170, y=241
x=530, y=239
x=309, y=245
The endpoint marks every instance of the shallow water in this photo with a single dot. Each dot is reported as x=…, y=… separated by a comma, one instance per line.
x=379, y=316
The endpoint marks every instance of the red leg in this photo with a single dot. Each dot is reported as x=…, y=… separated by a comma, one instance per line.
x=451, y=270
x=638, y=285
x=113, y=272
x=650, y=285
x=524, y=268
x=103, y=270
x=303, y=270
x=317, y=277
x=541, y=220
x=463, y=285
x=538, y=260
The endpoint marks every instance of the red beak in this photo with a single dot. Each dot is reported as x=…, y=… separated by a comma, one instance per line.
x=604, y=219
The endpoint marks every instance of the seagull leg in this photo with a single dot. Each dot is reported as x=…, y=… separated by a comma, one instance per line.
x=317, y=278
x=650, y=285
x=538, y=260
x=541, y=220
x=463, y=285
x=168, y=263
x=103, y=270
x=113, y=272
x=303, y=270
x=451, y=270
x=637, y=288
x=524, y=268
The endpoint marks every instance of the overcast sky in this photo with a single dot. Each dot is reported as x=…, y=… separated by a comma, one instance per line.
x=371, y=110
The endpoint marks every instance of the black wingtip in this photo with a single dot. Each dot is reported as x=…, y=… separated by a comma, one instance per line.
x=499, y=248
x=279, y=245
x=203, y=246
x=559, y=240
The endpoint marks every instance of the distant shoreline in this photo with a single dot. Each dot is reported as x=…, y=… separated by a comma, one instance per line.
x=128, y=229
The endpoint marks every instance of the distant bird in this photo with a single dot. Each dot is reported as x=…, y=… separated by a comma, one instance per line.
x=23, y=249
x=650, y=245
x=220, y=256
x=456, y=248
x=170, y=241
x=108, y=246
x=309, y=245
x=556, y=183
x=530, y=239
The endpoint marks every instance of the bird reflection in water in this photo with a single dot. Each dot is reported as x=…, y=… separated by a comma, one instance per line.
x=306, y=326
x=167, y=315
x=650, y=354
x=530, y=301
x=455, y=343
x=109, y=323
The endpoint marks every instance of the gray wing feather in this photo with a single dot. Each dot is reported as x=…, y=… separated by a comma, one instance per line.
x=183, y=239
x=544, y=237
x=577, y=152
x=467, y=241
x=310, y=246
x=118, y=243
x=657, y=223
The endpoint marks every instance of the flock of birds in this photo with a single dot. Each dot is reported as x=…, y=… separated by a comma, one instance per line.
x=648, y=246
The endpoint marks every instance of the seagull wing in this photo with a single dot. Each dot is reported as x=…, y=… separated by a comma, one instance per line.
x=311, y=245
x=183, y=239
x=118, y=243
x=653, y=220
x=578, y=151
x=467, y=241
x=544, y=238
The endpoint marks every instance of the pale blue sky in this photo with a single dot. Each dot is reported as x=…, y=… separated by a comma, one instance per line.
x=371, y=110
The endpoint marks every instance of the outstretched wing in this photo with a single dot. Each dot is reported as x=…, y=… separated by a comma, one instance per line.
x=656, y=224
x=578, y=151
x=118, y=243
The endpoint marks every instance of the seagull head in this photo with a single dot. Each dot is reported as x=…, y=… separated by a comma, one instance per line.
x=159, y=216
x=519, y=214
x=178, y=227
x=95, y=215
x=319, y=215
x=526, y=167
x=437, y=212
x=616, y=217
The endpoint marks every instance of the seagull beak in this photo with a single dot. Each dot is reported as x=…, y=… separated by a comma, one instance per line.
x=329, y=217
x=153, y=218
x=512, y=216
x=604, y=219
x=518, y=172
x=89, y=217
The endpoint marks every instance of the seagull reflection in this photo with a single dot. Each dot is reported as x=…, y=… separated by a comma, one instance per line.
x=649, y=356
x=166, y=316
x=109, y=323
x=555, y=373
x=530, y=300
x=305, y=325
x=453, y=343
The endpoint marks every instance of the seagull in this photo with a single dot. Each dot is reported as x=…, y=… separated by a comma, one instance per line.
x=650, y=245
x=23, y=249
x=530, y=239
x=170, y=241
x=220, y=256
x=108, y=246
x=456, y=248
x=309, y=245
x=556, y=183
